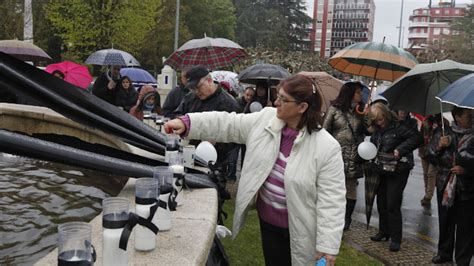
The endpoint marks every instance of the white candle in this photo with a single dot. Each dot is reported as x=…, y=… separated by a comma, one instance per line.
x=112, y=254
x=145, y=239
x=164, y=215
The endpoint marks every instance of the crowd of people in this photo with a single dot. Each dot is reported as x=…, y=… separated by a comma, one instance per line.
x=300, y=164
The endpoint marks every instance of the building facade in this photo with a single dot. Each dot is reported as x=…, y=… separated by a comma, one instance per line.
x=340, y=23
x=432, y=24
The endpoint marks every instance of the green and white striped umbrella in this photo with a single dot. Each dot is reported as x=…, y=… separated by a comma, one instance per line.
x=378, y=61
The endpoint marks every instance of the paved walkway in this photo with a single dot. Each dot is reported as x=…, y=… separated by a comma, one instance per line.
x=412, y=252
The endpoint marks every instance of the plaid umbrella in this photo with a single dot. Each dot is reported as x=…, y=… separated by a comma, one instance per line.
x=416, y=91
x=379, y=61
x=108, y=57
x=24, y=51
x=214, y=53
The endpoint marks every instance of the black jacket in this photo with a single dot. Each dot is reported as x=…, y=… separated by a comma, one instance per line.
x=459, y=154
x=126, y=98
x=219, y=101
x=173, y=100
x=398, y=136
x=101, y=90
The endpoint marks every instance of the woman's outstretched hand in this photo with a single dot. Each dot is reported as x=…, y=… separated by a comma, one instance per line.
x=175, y=126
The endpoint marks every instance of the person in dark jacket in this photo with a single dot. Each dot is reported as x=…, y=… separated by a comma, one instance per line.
x=175, y=96
x=126, y=95
x=105, y=85
x=263, y=95
x=349, y=129
x=246, y=98
x=395, y=140
x=455, y=188
x=209, y=96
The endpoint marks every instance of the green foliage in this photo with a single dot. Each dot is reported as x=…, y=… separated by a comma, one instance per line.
x=462, y=45
x=271, y=23
x=11, y=19
x=246, y=249
x=294, y=61
x=215, y=18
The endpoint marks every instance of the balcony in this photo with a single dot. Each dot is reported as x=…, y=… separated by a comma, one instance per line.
x=352, y=6
x=418, y=24
x=417, y=35
x=343, y=34
x=351, y=16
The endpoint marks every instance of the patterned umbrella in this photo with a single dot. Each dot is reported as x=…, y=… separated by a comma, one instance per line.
x=112, y=57
x=228, y=76
x=460, y=92
x=379, y=61
x=416, y=91
x=73, y=73
x=24, y=51
x=263, y=72
x=328, y=86
x=215, y=53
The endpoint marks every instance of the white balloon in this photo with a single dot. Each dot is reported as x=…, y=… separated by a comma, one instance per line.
x=367, y=150
x=206, y=152
x=255, y=107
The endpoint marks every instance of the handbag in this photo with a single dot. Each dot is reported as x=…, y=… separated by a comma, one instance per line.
x=387, y=162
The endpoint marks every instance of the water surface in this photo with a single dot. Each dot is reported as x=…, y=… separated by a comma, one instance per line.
x=36, y=196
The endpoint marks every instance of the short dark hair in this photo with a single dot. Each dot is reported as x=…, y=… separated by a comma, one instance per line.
x=458, y=111
x=303, y=89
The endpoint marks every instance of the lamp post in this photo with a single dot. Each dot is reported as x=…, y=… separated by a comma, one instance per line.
x=176, y=27
x=400, y=26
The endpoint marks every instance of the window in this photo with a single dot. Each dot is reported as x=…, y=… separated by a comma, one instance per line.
x=446, y=31
x=456, y=11
x=436, y=31
x=446, y=11
x=437, y=11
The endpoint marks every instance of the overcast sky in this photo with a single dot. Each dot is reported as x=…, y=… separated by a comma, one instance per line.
x=387, y=17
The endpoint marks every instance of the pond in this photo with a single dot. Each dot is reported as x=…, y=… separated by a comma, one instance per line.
x=36, y=196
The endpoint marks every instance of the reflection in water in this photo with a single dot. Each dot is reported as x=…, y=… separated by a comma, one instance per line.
x=36, y=196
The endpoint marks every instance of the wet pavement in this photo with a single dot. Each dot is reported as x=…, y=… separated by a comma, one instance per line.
x=419, y=223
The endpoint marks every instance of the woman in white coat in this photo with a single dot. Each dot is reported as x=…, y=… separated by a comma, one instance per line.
x=293, y=172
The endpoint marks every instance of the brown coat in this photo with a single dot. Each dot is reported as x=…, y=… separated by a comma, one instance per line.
x=137, y=110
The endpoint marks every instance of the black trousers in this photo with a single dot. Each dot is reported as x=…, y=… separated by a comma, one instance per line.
x=464, y=248
x=447, y=227
x=276, y=244
x=389, y=202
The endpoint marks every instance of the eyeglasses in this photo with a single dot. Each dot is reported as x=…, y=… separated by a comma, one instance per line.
x=282, y=99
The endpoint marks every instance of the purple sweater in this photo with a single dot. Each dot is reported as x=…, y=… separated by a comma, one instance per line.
x=271, y=201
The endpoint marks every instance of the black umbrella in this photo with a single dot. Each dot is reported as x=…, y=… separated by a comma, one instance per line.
x=263, y=72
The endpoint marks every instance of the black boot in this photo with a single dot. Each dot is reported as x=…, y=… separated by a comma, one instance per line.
x=350, y=205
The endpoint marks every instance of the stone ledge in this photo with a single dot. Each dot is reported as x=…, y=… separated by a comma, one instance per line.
x=187, y=243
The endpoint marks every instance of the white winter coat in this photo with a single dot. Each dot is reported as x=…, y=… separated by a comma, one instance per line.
x=314, y=176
